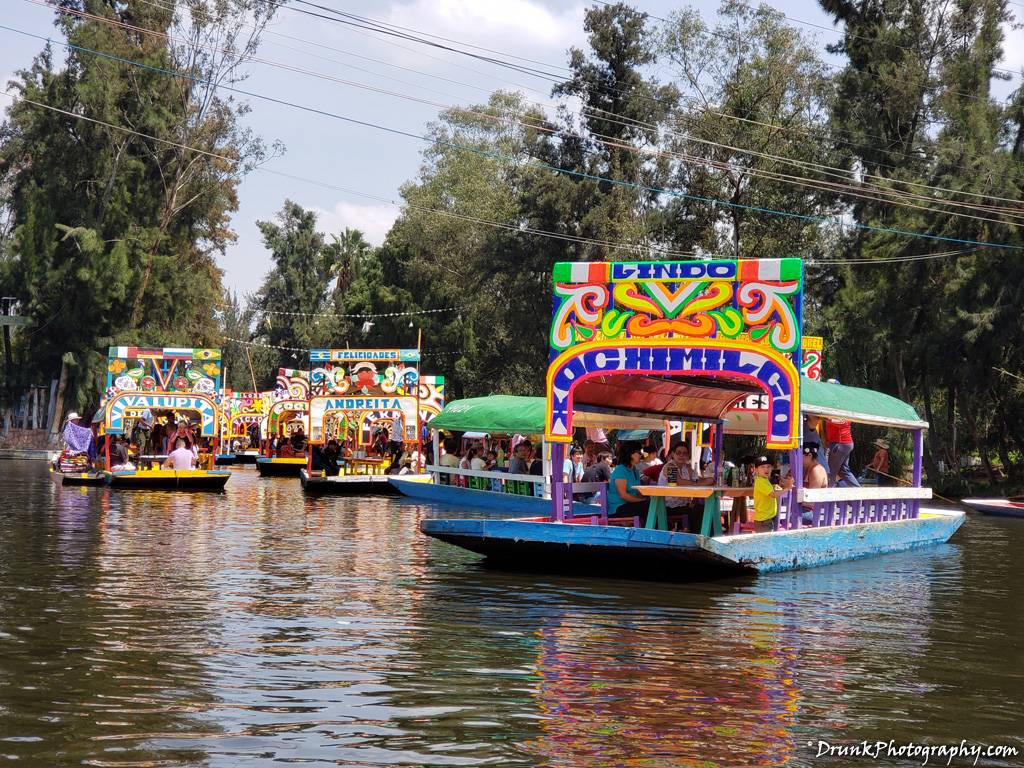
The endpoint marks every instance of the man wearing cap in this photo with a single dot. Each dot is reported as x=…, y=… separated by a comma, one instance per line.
x=766, y=496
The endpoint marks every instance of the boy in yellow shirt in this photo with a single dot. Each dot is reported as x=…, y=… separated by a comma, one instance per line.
x=766, y=496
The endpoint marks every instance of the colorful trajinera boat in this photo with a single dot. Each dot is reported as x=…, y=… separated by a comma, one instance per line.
x=1012, y=507
x=242, y=415
x=286, y=411
x=178, y=382
x=689, y=341
x=358, y=397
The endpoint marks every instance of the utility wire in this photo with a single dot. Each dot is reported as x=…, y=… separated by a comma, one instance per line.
x=862, y=191
x=811, y=218
x=620, y=120
x=443, y=212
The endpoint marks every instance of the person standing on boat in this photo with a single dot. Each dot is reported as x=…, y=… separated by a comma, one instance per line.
x=329, y=458
x=766, y=496
x=879, y=463
x=623, y=501
x=840, y=446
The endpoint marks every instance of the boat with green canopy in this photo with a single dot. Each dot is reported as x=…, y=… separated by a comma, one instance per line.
x=718, y=342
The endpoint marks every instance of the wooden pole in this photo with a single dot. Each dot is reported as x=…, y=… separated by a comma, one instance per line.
x=252, y=373
x=419, y=426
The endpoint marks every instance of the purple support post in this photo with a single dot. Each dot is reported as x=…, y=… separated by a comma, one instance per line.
x=918, y=456
x=557, y=486
x=796, y=471
x=719, y=438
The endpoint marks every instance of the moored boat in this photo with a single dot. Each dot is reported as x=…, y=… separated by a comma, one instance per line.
x=1011, y=507
x=689, y=341
x=179, y=382
x=366, y=412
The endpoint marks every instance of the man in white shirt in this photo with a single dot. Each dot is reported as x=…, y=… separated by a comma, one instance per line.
x=181, y=458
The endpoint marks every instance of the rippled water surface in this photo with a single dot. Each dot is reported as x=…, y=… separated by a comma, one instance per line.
x=258, y=628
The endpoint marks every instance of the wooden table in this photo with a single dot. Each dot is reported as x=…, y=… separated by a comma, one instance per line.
x=657, y=514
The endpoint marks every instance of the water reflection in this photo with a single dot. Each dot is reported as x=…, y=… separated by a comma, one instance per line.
x=258, y=627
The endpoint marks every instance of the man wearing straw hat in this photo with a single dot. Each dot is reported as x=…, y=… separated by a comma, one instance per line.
x=879, y=464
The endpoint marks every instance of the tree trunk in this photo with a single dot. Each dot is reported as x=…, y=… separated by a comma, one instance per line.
x=930, y=462
x=58, y=408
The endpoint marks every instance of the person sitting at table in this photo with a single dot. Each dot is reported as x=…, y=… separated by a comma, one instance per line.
x=537, y=463
x=284, y=450
x=119, y=454
x=572, y=467
x=623, y=501
x=491, y=462
x=650, y=458
x=679, y=470
x=449, y=458
x=329, y=457
x=815, y=475
x=519, y=464
x=181, y=458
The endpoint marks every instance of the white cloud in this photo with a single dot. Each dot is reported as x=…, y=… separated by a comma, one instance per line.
x=525, y=27
x=1013, y=50
x=373, y=221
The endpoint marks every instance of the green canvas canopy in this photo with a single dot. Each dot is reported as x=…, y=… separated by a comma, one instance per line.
x=497, y=415
x=866, y=406
x=513, y=414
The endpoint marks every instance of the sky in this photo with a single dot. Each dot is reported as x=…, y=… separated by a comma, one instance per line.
x=325, y=153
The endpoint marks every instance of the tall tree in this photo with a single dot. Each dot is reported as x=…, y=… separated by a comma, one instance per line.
x=751, y=121
x=293, y=299
x=117, y=219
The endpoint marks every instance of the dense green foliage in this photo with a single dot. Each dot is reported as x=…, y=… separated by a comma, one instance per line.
x=680, y=136
x=114, y=234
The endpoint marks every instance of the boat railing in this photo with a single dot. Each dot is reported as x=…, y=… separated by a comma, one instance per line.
x=496, y=482
x=852, y=506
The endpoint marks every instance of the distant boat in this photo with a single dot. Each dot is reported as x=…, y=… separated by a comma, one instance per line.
x=1012, y=507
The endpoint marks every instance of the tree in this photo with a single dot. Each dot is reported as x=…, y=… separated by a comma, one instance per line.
x=290, y=304
x=750, y=123
x=117, y=219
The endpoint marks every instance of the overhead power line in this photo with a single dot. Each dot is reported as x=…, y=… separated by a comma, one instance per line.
x=520, y=230
x=844, y=187
x=619, y=120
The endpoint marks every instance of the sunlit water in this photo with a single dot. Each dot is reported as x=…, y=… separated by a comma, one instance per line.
x=258, y=627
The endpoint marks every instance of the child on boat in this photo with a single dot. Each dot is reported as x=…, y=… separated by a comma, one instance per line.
x=766, y=496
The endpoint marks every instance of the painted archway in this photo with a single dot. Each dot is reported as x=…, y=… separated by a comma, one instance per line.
x=730, y=359
x=119, y=405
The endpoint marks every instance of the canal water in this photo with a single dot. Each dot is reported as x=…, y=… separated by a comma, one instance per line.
x=261, y=628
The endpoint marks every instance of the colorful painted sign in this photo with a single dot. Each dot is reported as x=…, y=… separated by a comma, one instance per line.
x=735, y=321
x=355, y=355
x=401, y=409
x=813, y=347
x=134, y=403
x=166, y=369
x=364, y=372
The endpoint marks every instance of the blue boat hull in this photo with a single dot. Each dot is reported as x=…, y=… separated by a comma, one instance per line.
x=453, y=495
x=626, y=552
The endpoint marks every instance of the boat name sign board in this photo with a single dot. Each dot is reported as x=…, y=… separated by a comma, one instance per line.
x=120, y=405
x=738, y=321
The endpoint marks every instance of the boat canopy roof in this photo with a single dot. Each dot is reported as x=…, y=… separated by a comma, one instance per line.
x=819, y=398
x=644, y=402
